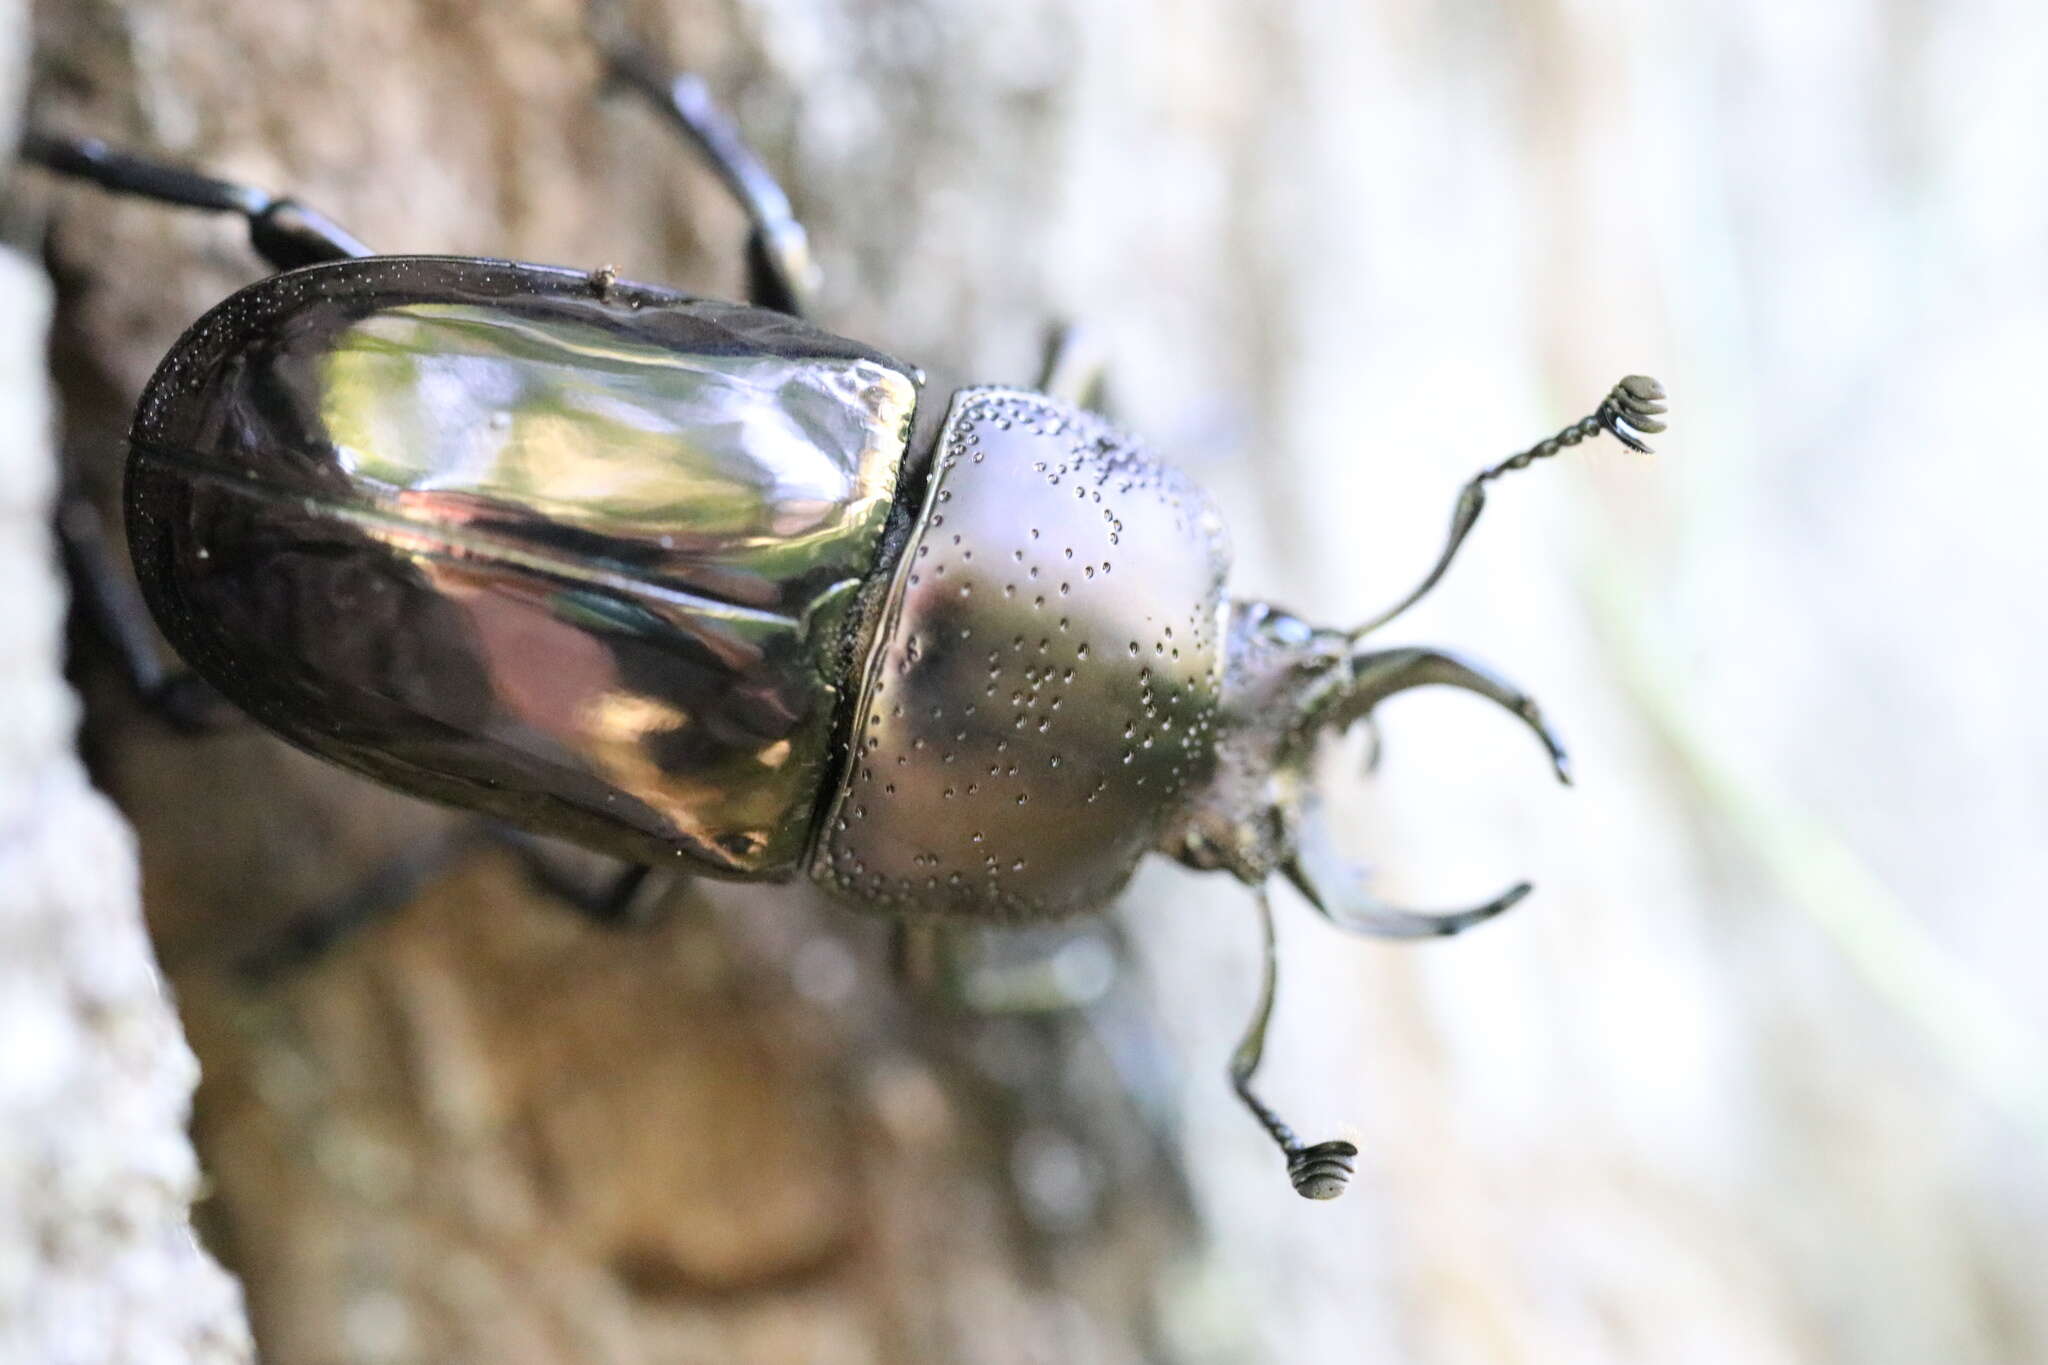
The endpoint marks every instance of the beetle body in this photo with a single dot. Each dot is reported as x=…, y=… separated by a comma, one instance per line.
x=614, y=564
x=668, y=578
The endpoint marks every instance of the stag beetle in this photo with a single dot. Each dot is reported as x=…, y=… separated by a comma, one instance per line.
x=665, y=577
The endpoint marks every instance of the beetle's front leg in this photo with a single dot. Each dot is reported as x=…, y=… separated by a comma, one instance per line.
x=1316, y=1172
x=781, y=273
x=284, y=232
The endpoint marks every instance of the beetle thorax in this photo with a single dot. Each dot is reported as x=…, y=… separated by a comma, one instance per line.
x=1043, y=691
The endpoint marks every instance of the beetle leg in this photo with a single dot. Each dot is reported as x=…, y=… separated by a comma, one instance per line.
x=602, y=890
x=1318, y=1172
x=630, y=896
x=1630, y=407
x=311, y=932
x=781, y=273
x=112, y=607
x=284, y=232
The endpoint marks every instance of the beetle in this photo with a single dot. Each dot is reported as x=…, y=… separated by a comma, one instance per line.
x=682, y=581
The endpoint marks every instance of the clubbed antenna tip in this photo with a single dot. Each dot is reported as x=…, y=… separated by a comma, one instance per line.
x=1633, y=406
x=1322, y=1171
x=1629, y=409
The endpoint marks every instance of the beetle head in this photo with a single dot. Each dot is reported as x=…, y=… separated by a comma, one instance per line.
x=1287, y=685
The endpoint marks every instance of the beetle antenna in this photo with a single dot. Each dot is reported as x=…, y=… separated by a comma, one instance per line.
x=1318, y=1172
x=1630, y=408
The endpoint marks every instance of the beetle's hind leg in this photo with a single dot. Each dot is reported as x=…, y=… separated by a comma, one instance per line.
x=285, y=233
x=781, y=273
x=311, y=931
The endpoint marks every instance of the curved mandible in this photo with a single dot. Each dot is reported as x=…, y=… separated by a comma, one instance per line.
x=1335, y=886
x=1375, y=675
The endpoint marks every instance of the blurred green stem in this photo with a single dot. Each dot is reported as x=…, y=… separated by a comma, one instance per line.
x=1970, y=1023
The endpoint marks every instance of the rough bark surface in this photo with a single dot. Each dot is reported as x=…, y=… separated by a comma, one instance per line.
x=98, y=1262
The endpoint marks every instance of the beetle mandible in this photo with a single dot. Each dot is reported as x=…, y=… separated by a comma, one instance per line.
x=668, y=578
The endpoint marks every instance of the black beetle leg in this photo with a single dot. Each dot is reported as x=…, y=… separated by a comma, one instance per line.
x=111, y=605
x=780, y=271
x=602, y=890
x=284, y=232
x=617, y=897
x=1318, y=1172
x=395, y=884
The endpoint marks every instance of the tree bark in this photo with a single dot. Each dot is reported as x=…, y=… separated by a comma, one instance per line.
x=98, y=1262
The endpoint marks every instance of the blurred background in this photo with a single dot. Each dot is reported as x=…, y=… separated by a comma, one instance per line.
x=1758, y=1073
